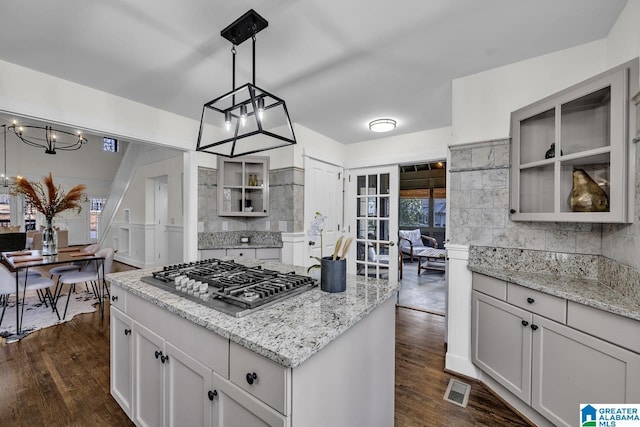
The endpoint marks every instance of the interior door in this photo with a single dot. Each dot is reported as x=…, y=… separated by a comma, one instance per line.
x=373, y=196
x=161, y=207
x=323, y=193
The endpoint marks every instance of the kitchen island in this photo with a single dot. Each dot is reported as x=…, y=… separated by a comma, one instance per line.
x=311, y=359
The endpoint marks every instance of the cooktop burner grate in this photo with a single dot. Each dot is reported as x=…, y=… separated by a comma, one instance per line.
x=229, y=287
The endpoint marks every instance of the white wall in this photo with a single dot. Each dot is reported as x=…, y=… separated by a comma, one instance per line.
x=623, y=42
x=41, y=96
x=410, y=148
x=482, y=103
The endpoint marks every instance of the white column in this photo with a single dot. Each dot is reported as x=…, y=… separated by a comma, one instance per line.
x=458, y=358
x=190, y=205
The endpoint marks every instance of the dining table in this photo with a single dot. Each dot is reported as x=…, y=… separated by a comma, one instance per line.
x=18, y=261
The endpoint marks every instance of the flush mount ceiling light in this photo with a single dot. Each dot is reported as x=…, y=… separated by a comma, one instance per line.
x=382, y=125
x=48, y=138
x=248, y=119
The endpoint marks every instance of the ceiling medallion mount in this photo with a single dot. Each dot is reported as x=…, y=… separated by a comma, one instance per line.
x=48, y=138
x=382, y=125
x=248, y=119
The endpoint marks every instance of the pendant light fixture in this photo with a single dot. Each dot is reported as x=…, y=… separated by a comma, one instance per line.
x=248, y=119
x=48, y=138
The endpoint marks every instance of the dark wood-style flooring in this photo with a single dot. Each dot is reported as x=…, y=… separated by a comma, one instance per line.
x=59, y=376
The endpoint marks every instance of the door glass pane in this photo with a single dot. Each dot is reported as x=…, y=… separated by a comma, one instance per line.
x=536, y=189
x=373, y=184
x=586, y=122
x=384, y=230
x=537, y=133
x=362, y=185
x=384, y=207
x=362, y=228
x=384, y=183
x=372, y=231
x=372, y=203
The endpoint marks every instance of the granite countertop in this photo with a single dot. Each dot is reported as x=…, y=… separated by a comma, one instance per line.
x=288, y=332
x=242, y=246
x=589, y=292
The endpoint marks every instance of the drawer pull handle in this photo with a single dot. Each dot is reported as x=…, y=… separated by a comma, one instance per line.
x=534, y=327
x=158, y=354
x=530, y=300
x=114, y=298
x=127, y=331
x=525, y=323
x=212, y=394
x=251, y=377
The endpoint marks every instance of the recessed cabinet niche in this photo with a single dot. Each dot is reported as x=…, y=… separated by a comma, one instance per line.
x=243, y=186
x=579, y=139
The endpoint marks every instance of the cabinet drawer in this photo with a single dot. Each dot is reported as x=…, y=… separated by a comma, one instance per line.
x=491, y=286
x=268, y=253
x=616, y=329
x=248, y=253
x=546, y=305
x=271, y=383
x=212, y=253
x=118, y=298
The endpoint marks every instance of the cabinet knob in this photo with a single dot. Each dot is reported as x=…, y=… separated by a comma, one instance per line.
x=512, y=211
x=164, y=359
x=534, y=327
x=127, y=331
x=212, y=394
x=525, y=323
x=241, y=254
x=251, y=377
x=114, y=298
x=530, y=300
x=158, y=354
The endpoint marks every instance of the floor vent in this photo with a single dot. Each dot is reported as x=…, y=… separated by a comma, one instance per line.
x=457, y=392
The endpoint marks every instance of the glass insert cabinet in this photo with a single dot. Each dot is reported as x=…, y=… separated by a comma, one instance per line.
x=243, y=186
x=572, y=155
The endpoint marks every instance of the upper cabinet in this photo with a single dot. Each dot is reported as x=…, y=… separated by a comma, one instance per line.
x=571, y=156
x=243, y=186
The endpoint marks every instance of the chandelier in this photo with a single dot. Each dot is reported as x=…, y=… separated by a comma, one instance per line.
x=48, y=138
x=248, y=119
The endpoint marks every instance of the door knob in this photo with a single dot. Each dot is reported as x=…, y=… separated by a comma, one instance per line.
x=392, y=243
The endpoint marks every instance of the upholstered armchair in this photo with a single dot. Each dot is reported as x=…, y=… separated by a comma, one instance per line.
x=411, y=242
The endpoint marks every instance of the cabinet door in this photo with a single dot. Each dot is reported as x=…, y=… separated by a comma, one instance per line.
x=186, y=390
x=570, y=368
x=149, y=377
x=233, y=407
x=501, y=343
x=122, y=360
x=575, y=138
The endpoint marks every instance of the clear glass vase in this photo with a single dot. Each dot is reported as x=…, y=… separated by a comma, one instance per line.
x=49, y=239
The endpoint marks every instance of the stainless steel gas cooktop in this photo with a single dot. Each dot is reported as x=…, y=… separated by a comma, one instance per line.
x=229, y=287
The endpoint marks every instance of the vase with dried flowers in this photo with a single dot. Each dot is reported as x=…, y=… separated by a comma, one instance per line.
x=49, y=200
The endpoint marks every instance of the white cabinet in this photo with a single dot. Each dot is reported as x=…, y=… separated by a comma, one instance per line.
x=243, y=186
x=570, y=368
x=501, y=343
x=577, y=135
x=271, y=254
x=548, y=365
x=122, y=360
x=148, y=380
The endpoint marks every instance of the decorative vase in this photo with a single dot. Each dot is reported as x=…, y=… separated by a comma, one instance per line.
x=586, y=194
x=551, y=152
x=333, y=275
x=49, y=239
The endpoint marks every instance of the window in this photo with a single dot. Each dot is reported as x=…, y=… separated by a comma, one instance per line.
x=5, y=209
x=423, y=208
x=110, y=144
x=95, y=209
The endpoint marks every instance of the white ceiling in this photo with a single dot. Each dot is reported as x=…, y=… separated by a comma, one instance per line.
x=337, y=63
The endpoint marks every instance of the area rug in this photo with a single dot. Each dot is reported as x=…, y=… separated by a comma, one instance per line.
x=37, y=316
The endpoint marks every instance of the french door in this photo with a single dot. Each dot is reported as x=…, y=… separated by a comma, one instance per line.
x=374, y=222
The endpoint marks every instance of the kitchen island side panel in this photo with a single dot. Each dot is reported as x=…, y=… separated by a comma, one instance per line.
x=349, y=382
